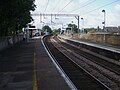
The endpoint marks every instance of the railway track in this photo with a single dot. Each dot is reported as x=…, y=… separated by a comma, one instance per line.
x=79, y=76
x=107, y=69
x=100, y=61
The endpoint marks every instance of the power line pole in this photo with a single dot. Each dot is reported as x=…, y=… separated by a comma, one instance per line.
x=78, y=24
x=104, y=37
x=60, y=15
x=51, y=18
x=78, y=19
x=63, y=15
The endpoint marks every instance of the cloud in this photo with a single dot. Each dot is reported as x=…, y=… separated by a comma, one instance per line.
x=91, y=21
x=117, y=7
x=112, y=18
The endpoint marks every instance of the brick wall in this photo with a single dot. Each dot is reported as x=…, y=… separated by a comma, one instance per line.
x=99, y=38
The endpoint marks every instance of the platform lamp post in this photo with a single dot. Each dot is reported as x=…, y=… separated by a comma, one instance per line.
x=104, y=19
x=82, y=24
x=104, y=38
x=72, y=27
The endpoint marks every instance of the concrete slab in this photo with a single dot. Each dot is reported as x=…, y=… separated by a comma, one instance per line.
x=48, y=76
x=17, y=68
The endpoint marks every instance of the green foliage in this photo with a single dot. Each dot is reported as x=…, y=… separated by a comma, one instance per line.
x=56, y=31
x=91, y=30
x=47, y=29
x=14, y=15
x=73, y=27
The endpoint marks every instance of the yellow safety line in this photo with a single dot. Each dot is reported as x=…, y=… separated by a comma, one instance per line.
x=35, y=87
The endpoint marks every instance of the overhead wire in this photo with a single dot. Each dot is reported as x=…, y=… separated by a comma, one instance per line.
x=83, y=6
x=56, y=5
x=101, y=7
x=46, y=7
x=65, y=6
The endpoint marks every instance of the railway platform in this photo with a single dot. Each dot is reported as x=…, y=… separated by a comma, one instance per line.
x=103, y=49
x=27, y=66
x=113, y=48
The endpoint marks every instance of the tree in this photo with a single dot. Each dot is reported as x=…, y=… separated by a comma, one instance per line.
x=73, y=27
x=47, y=29
x=91, y=30
x=56, y=31
x=14, y=15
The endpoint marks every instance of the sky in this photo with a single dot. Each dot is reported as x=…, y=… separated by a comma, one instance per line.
x=89, y=10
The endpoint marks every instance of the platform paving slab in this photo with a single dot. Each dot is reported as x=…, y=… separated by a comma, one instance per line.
x=48, y=76
x=16, y=68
